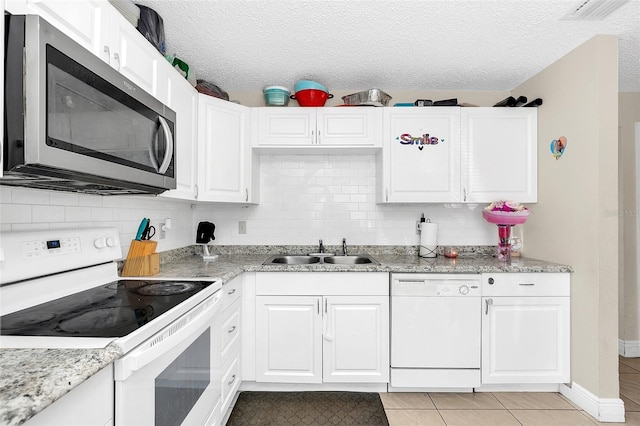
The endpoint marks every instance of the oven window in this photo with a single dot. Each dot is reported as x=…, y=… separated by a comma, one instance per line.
x=179, y=386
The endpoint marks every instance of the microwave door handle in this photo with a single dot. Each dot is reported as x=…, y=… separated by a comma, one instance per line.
x=168, y=154
x=152, y=155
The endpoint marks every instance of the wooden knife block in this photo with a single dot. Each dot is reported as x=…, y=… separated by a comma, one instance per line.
x=142, y=259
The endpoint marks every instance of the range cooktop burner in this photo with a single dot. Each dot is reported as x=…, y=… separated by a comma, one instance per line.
x=111, y=310
x=166, y=289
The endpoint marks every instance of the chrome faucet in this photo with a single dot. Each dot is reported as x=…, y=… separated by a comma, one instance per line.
x=344, y=246
x=320, y=247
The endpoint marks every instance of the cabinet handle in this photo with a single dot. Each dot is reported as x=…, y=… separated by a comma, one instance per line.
x=488, y=302
x=231, y=330
x=325, y=306
x=319, y=140
x=326, y=325
x=233, y=290
x=107, y=51
x=464, y=194
x=318, y=303
x=386, y=197
x=233, y=379
x=313, y=137
x=246, y=196
x=116, y=57
x=528, y=284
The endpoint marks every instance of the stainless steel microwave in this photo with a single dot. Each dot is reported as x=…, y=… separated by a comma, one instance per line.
x=74, y=123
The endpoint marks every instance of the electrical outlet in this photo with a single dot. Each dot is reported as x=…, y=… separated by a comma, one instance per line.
x=242, y=227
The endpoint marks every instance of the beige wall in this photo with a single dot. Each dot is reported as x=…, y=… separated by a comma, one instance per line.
x=575, y=221
x=628, y=297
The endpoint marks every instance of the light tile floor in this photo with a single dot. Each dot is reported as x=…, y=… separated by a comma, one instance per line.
x=507, y=408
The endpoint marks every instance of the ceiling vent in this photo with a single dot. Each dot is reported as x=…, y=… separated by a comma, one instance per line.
x=593, y=10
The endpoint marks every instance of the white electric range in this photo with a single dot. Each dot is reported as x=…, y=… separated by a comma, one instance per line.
x=61, y=289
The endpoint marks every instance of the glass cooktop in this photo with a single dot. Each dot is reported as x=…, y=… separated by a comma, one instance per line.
x=111, y=310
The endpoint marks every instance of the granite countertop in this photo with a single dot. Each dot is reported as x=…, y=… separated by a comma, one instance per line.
x=227, y=266
x=31, y=379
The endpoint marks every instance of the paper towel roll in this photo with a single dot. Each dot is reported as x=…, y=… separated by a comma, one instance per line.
x=428, y=239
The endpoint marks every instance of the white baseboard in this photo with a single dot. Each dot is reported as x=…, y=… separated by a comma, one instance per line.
x=629, y=348
x=301, y=387
x=608, y=410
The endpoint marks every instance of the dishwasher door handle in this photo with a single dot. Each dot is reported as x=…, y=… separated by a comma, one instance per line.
x=488, y=302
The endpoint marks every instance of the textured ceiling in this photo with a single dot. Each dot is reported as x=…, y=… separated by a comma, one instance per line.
x=389, y=44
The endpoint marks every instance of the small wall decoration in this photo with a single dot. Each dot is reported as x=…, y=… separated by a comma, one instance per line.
x=558, y=146
x=421, y=141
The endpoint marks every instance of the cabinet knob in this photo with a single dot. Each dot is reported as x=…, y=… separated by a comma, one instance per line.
x=490, y=281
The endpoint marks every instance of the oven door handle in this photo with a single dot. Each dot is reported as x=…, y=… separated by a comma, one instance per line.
x=199, y=317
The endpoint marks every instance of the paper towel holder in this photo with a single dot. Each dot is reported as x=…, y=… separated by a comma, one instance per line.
x=429, y=251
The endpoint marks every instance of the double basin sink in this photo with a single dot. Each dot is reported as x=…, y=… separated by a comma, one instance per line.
x=281, y=259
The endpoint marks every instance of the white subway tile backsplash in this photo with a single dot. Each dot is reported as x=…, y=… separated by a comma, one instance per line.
x=15, y=213
x=48, y=213
x=308, y=197
x=303, y=198
x=26, y=196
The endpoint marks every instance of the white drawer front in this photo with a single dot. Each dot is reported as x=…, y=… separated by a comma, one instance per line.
x=230, y=328
x=230, y=382
x=322, y=283
x=526, y=284
x=231, y=292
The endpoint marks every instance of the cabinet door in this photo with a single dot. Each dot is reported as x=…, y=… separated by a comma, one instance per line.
x=224, y=151
x=499, y=154
x=357, y=126
x=356, y=339
x=286, y=126
x=421, y=155
x=86, y=22
x=183, y=100
x=525, y=340
x=288, y=339
x=135, y=58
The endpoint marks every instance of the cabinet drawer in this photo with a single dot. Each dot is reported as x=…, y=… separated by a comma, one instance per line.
x=230, y=327
x=230, y=381
x=526, y=284
x=231, y=292
x=322, y=283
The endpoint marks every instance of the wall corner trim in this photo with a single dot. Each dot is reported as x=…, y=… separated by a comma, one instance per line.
x=629, y=348
x=609, y=410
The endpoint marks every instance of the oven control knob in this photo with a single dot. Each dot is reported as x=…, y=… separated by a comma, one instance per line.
x=100, y=243
x=463, y=290
x=111, y=242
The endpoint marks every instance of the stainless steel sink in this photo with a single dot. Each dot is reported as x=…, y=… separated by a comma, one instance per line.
x=282, y=259
x=360, y=259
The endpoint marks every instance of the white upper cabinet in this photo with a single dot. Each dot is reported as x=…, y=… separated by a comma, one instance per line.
x=86, y=22
x=101, y=29
x=314, y=127
x=183, y=99
x=499, y=159
x=420, y=155
x=137, y=59
x=227, y=169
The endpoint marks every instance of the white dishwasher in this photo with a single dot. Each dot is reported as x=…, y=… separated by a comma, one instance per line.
x=435, y=331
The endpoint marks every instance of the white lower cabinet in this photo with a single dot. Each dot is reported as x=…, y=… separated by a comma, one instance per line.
x=355, y=346
x=525, y=328
x=288, y=339
x=91, y=403
x=231, y=342
x=316, y=338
